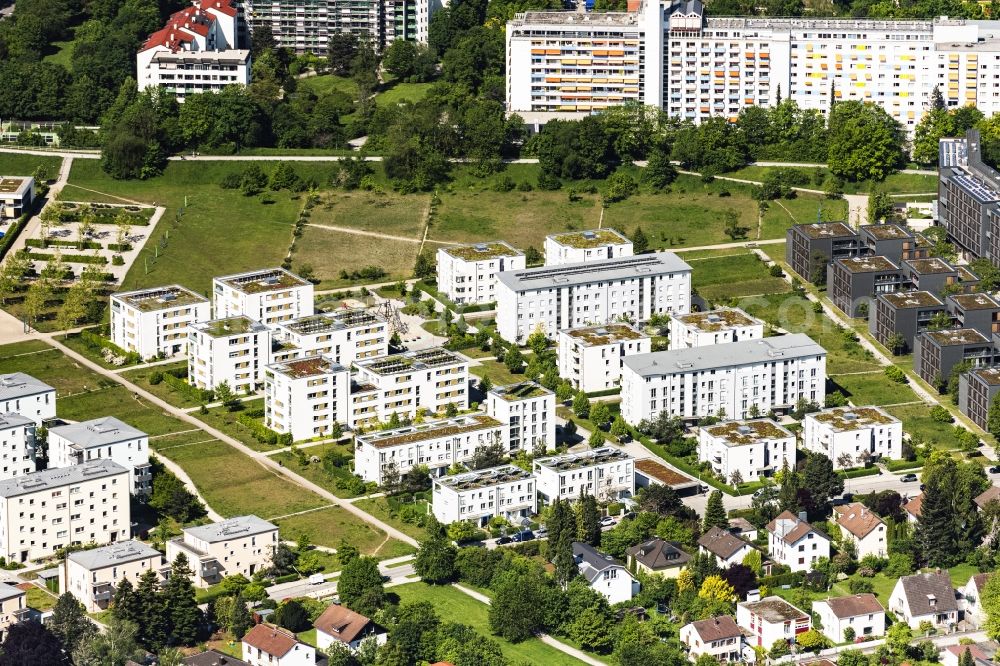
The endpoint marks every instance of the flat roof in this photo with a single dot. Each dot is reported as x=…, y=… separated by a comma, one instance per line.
x=307, y=366
x=337, y=320
x=422, y=432
x=159, y=298
x=57, y=477
x=19, y=385
x=483, y=478
x=719, y=319
x=97, y=432
x=975, y=301
x=957, y=336
x=590, y=238
x=774, y=609
x=990, y=376
x=8, y=591
x=664, y=474
x=912, y=299
x=572, y=18
x=227, y=56
x=14, y=420
x=868, y=264
x=887, y=231
x=520, y=391
x=746, y=432
x=622, y=268
x=483, y=251
x=792, y=345
x=231, y=528
x=266, y=279
x=224, y=328
x=393, y=364
x=930, y=266
x=16, y=185
x=116, y=553
x=570, y=461
x=965, y=275
x=843, y=419
x=608, y=334
x=817, y=230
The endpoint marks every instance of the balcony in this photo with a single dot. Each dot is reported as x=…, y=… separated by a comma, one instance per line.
x=103, y=591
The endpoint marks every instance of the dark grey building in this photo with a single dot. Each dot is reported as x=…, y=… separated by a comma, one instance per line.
x=935, y=353
x=931, y=275
x=907, y=313
x=978, y=311
x=855, y=281
x=810, y=247
x=893, y=241
x=976, y=389
x=969, y=198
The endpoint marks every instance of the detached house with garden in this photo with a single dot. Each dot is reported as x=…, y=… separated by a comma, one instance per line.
x=925, y=597
x=795, y=543
x=846, y=618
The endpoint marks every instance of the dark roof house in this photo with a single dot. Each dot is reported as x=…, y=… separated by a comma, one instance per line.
x=721, y=543
x=658, y=555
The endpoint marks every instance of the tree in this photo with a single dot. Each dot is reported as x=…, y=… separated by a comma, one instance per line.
x=993, y=417
x=514, y=360
x=596, y=439
x=518, y=607
x=31, y=644
x=811, y=641
x=897, y=639
x=948, y=527
x=116, y=646
x=732, y=226
x=659, y=171
x=880, y=208
x=291, y=615
x=821, y=482
x=590, y=629
x=896, y=344
x=285, y=178
x=658, y=498
x=149, y=606
x=581, y=405
x=124, y=603
x=600, y=414
x=865, y=142
x=715, y=512
x=184, y=616
x=990, y=601
x=639, y=241
x=618, y=427
x=70, y=623
x=588, y=520
x=562, y=530
x=715, y=588
x=753, y=561
x=360, y=586
x=341, y=50
x=12, y=272
x=435, y=562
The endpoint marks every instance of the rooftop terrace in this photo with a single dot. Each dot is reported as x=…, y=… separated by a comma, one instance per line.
x=408, y=361
x=520, y=391
x=481, y=251
x=957, y=336
x=483, y=478
x=594, y=336
x=571, y=461
x=309, y=366
x=222, y=328
x=743, y=433
x=13, y=184
x=160, y=298
x=868, y=264
x=711, y=321
x=269, y=279
x=852, y=418
x=912, y=299
x=818, y=230
x=774, y=609
x=332, y=321
x=574, y=18
x=590, y=239
x=458, y=425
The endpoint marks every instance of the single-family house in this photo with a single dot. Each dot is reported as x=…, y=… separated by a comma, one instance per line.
x=925, y=597
x=743, y=528
x=771, y=619
x=861, y=613
x=972, y=594
x=268, y=645
x=983, y=654
x=728, y=549
x=604, y=573
x=658, y=556
x=719, y=637
x=795, y=543
x=338, y=624
x=862, y=527
x=990, y=494
x=213, y=658
x=912, y=508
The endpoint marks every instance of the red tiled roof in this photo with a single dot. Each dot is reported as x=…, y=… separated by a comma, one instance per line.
x=991, y=493
x=716, y=628
x=857, y=519
x=270, y=639
x=219, y=5
x=193, y=19
x=790, y=534
x=852, y=606
x=913, y=506
x=341, y=623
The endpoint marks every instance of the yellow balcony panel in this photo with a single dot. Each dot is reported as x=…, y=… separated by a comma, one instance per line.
x=970, y=94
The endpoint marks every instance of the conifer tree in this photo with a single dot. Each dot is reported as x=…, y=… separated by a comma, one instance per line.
x=715, y=512
x=184, y=616
x=588, y=520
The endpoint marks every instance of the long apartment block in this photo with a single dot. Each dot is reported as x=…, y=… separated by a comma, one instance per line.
x=271, y=296
x=935, y=353
x=590, y=293
x=345, y=336
x=713, y=327
x=568, y=64
x=969, y=197
x=906, y=314
x=505, y=491
x=153, y=322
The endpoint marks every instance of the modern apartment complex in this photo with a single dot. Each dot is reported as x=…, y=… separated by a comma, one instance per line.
x=606, y=473
x=16, y=196
x=271, y=296
x=904, y=313
x=527, y=412
x=306, y=397
x=567, y=64
x=713, y=327
x=467, y=274
x=551, y=298
x=44, y=511
x=343, y=336
x=578, y=246
x=92, y=576
x=591, y=357
x=935, y=353
x=241, y=545
x=853, y=436
x=17, y=445
x=731, y=379
x=234, y=350
x=746, y=450
x=104, y=438
x=195, y=52
x=23, y=394
x=976, y=390
x=506, y=491
x=969, y=194
x=153, y=322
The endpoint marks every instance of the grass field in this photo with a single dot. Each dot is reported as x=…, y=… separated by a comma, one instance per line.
x=874, y=389
x=328, y=252
x=379, y=507
x=713, y=277
x=497, y=372
x=897, y=183
x=226, y=421
x=331, y=526
x=918, y=423
x=453, y=605
x=321, y=85
x=314, y=471
x=385, y=213
x=162, y=390
x=61, y=53
x=15, y=164
x=39, y=599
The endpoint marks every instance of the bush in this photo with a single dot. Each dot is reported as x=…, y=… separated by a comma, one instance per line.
x=97, y=343
x=8, y=240
x=156, y=378
x=896, y=375
x=117, y=260
x=792, y=578
x=261, y=432
x=940, y=415
x=193, y=392
x=231, y=181
x=860, y=586
x=775, y=271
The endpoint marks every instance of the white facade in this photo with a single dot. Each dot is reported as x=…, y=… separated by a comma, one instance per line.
x=579, y=246
x=924, y=597
x=467, y=274
x=591, y=293
x=16, y=196
x=436, y=444
x=23, y=394
x=154, y=322
x=233, y=350
x=754, y=449
x=17, y=445
x=605, y=575
x=506, y=491
x=92, y=576
x=344, y=336
x=773, y=373
x=267, y=645
x=591, y=357
x=13, y=606
x=44, y=511
x=271, y=296
x=972, y=594
x=241, y=545
x=862, y=527
x=606, y=473
x=714, y=327
x=527, y=412
x=105, y=438
x=858, y=433
x=306, y=397
x=861, y=612
x=719, y=637
x=795, y=543
x=771, y=619
x=428, y=380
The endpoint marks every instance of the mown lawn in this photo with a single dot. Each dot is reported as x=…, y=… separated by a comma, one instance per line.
x=918, y=424
x=736, y=275
x=379, y=507
x=332, y=526
x=497, y=372
x=314, y=471
x=17, y=164
x=874, y=389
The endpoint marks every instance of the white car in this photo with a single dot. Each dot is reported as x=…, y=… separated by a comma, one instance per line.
x=607, y=521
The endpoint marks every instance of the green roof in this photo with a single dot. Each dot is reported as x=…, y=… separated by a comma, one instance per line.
x=220, y=328
x=852, y=418
x=590, y=239
x=161, y=298
x=480, y=251
x=522, y=391
x=605, y=335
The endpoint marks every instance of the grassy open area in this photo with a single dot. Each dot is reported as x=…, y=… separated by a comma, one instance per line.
x=323, y=84
x=226, y=421
x=874, y=389
x=917, y=423
x=897, y=183
x=61, y=53
x=453, y=605
x=402, y=92
x=39, y=599
x=328, y=252
x=162, y=390
x=385, y=213
x=16, y=164
x=741, y=273
x=314, y=471
x=331, y=526
x=497, y=372
x=379, y=507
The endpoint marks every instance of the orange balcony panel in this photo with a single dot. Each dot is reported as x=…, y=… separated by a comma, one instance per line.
x=537, y=51
x=553, y=52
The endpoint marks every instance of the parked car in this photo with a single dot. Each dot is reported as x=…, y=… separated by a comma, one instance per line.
x=607, y=521
x=908, y=478
x=524, y=535
x=504, y=540
x=995, y=469
x=541, y=532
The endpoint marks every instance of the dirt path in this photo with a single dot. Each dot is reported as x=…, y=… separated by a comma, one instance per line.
x=373, y=234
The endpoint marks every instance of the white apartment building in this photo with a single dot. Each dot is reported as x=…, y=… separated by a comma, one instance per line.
x=862, y=527
x=16, y=196
x=795, y=543
x=591, y=357
x=17, y=445
x=771, y=619
x=241, y=545
x=527, y=412
x=606, y=473
x=713, y=327
x=92, y=576
x=271, y=296
x=104, y=438
x=44, y=511
x=195, y=52
x=861, y=612
x=467, y=274
x=719, y=637
x=576, y=247
x=268, y=645
x=306, y=397
x=849, y=436
x=153, y=322
x=233, y=350
x=772, y=373
x=13, y=607
x=505, y=491
x=755, y=449
x=429, y=380
x=23, y=394
x=551, y=298
x=436, y=444
x=569, y=64
x=344, y=336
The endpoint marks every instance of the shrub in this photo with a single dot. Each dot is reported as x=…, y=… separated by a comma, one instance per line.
x=259, y=431
x=940, y=415
x=896, y=375
x=193, y=392
x=156, y=378
x=860, y=586
x=775, y=271
x=231, y=181
x=117, y=260
x=98, y=343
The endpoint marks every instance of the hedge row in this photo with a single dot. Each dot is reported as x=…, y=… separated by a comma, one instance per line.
x=71, y=258
x=262, y=433
x=855, y=473
x=87, y=245
x=115, y=247
x=792, y=578
x=12, y=234
x=193, y=392
x=97, y=342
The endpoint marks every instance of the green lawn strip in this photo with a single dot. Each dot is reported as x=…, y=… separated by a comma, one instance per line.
x=326, y=83
x=873, y=389
x=379, y=507
x=897, y=183
x=164, y=391
x=76, y=343
x=25, y=348
x=308, y=636
x=314, y=471
x=39, y=599
x=453, y=605
x=234, y=484
x=918, y=424
x=222, y=419
x=497, y=372
x=19, y=164
x=734, y=276
x=54, y=368
x=565, y=412
x=180, y=439
x=118, y=401
x=332, y=526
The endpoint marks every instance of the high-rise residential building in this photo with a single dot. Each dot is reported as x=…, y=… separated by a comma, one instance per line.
x=271, y=296
x=969, y=196
x=232, y=350
x=153, y=322
x=103, y=438
x=569, y=64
